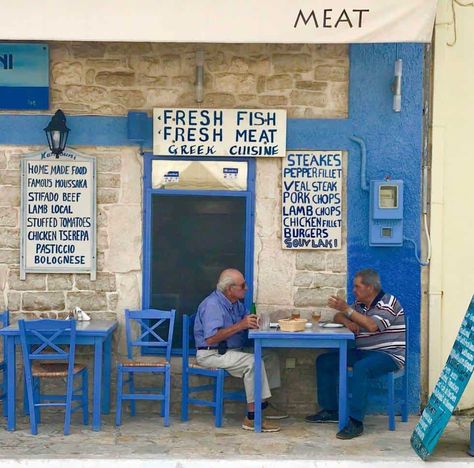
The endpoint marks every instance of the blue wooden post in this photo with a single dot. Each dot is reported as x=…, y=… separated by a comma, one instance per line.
x=471, y=440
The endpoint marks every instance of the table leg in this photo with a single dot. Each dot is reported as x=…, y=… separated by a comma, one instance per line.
x=97, y=388
x=11, y=382
x=258, y=385
x=106, y=388
x=343, y=416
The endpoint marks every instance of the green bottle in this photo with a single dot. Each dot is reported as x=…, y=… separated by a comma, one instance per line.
x=253, y=308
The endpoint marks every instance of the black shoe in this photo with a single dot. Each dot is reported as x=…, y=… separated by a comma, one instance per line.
x=324, y=416
x=352, y=430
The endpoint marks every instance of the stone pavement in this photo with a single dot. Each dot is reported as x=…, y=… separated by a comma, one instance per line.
x=143, y=441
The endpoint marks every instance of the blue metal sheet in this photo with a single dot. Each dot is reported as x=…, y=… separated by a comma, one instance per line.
x=24, y=76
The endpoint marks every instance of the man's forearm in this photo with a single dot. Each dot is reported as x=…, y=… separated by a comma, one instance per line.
x=224, y=333
x=341, y=318
x=362, y=320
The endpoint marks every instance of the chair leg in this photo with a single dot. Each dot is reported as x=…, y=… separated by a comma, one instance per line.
x=131, y=390
x=37, y=393
x=118, y=408
x=85, y=397
x=26, y=409
x=167, y=394
x=405, y=397
x=69, y=391
x=184, y=396
x=31, y=404
x=391, y=401
x=4, y=391
x=219, y=399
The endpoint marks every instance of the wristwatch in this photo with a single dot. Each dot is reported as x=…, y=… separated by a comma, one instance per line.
x=349, y=313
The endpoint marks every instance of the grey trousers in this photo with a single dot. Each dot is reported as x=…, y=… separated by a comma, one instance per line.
x=241, y=364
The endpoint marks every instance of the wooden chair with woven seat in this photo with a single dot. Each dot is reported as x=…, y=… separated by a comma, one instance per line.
x=190, y=368
x=150, y=323
x=49, y=348
x=4, y=322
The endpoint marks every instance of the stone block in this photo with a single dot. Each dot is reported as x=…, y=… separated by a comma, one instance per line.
x=109, y=109
x=313, y=261
x=162, y=97
x=9, y=196
x=304, y=279
x=219, y=100
x=13, y=301
x=277, y=82
x=336, y=262
x=10, y=238
x=112, y=300
x=66, y=73
x=148, y=66
x=3, y=277
x=170, y=65
x=101, y=217
x=308, y=98
x=131, y=176
x=59, y=282
x=88, y=50
x=85, y=94
x=86, y=300
x=103, y=282
x=40, y=301
x=260, y=64
x=333, y=280
x=10, y=256
x=319, y=86
x=108, y=180
x=102, y=240
x=14, y=158
x=331, y=51
x=216, y=62
x=313, y=297
x=109, y=163
x=131, y=99
x=10, y=178
x=158, y=81
x=128, y=48
x=8, y=216
x=107, y=196
x=339, y=93
x=33, y=281
x=125, y=239
x=273, y=101
x=247, y=99
x=235, y=83
x=3, y=160
x=331, y=73
x=291, y=63
x=266, y=212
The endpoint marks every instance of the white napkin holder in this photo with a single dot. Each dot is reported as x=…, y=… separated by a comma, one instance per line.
x=78, y=314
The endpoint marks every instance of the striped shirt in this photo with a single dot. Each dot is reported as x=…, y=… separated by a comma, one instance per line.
x=390, y=337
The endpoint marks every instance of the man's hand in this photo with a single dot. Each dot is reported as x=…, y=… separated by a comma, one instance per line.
x=249, y=321
x=339, y=304
x=353, y=327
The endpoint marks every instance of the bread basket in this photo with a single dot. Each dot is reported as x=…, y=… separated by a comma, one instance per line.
x=292, y=325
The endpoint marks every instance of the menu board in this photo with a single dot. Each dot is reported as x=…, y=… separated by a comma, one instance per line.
x=58, y=206
x=312, y=200
x=448, y=390
x=219, y=132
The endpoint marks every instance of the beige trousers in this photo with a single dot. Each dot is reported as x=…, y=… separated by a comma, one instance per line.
x=241, y=364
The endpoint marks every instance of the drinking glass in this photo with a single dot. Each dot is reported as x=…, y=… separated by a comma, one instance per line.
x=315, y=317
x=264, y=321
x=295, y=314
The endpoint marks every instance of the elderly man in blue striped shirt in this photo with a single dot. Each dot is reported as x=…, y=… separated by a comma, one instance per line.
x=378, y=321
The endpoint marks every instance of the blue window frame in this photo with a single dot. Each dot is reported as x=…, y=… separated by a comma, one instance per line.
x=150, y=194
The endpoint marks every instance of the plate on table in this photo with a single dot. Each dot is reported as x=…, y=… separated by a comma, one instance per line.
x=274, y=325
x=332, y=325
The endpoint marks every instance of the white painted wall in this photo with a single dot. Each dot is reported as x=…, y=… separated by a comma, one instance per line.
x=452, y=198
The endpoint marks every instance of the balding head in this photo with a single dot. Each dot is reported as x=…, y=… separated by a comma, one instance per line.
x=232, y=284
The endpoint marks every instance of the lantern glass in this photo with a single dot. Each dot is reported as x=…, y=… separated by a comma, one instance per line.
x=57, y=133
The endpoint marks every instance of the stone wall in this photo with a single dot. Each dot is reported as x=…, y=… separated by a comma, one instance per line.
x=112, y=78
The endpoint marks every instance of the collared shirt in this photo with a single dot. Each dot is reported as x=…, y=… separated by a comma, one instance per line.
x=390, y=337
x=216, y=312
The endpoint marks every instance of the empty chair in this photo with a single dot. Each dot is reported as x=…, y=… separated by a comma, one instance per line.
x=190, y=367
x=147, y=334
x=4, y=322
x=49, y=348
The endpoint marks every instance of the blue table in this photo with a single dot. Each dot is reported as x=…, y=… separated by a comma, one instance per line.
x=335, y=338
x=97, y=333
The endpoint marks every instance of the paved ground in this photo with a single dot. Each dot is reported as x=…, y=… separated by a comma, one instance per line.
x=144, y=438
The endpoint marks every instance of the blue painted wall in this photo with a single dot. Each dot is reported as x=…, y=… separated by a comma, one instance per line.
x=394, y=148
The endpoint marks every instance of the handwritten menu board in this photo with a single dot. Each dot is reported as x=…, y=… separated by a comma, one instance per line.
x=312, y=200
x=219, y=132
x=58, y=205
x=448, y=390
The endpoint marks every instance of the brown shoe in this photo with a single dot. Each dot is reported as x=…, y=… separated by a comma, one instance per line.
x=271, y=412
x=267, y=426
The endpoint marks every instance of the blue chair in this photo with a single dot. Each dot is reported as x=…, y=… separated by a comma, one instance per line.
x=4, y=322
x=391, y=377
x=49, y=348
x=217, y=387
x=149, y=322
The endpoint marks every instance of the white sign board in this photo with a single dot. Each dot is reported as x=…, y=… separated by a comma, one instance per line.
x=312, y=200
x=231, y=21
x=58, y=206
x=219, y=132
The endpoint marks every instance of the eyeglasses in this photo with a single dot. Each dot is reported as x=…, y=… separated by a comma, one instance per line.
x=241, y=286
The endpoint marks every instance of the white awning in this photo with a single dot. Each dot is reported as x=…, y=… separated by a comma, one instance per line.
x=233, y=21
